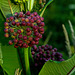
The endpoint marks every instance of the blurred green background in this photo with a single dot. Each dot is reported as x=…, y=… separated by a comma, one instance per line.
x=56, y=14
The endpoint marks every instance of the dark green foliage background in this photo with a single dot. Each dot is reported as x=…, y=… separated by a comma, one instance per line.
x=56, y=14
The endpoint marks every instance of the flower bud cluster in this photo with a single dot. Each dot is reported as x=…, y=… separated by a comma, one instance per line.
x=45, y=53
x=42, y=3
x=25, y=29
x=19, y=1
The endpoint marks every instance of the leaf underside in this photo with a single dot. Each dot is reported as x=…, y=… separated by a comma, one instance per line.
x=7, y=8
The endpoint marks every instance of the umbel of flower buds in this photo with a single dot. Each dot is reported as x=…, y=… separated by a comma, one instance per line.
x=43, y=53
x=42, y=3
x=25, y=29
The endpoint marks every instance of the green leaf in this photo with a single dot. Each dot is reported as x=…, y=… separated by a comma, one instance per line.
x=62, y=68
x=1, y=61
x=7, y=8
x=30, y=4
x=43, y=10
x=10, y=59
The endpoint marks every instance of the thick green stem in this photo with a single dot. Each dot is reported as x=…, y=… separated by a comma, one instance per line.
x=27, y=66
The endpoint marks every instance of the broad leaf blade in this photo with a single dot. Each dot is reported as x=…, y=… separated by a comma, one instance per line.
x=42, y=12
x=1, y=61
x=62, y=68
x=10, y=59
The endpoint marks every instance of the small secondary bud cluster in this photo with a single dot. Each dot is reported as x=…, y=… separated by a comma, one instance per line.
x=25, y=29
x=19, y=1
x=45, y=53
x=42, y=3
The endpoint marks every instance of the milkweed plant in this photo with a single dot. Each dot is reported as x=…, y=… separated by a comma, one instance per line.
x=25, y=28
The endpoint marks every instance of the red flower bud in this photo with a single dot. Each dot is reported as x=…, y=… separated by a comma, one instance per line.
x=30, y=38
x=38, y=21
x=31, y=20
x=16, y=14
x=24, y=44
x=11, y=30
x=10, y=42
x=32, y=15
x=7, y=20
x=28, y=33
x=6, y=24
x=26, y=20
x=15, y=40
x=25, y=37
x=18, y=31
x=41, y=18
x=6, y=30
x=20, y=41
x=13, y=23
x=28, y=29
x=23, y=23
x=34, y=18
x=42, y=24
x=28, y=13
x=6, y=35
x=20, y=36
x=35, y=13
x=20, y=14
x=11, y=18
x=17, y=23
x=16, y=46
x=15, y=34
x=22, y=19
x=28, y=23
x=33, y=42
